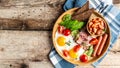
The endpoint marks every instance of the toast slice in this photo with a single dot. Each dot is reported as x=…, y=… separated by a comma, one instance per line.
x=83, y=16
x=84, y=8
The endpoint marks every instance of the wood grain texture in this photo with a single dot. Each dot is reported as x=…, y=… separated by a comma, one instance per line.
x=116, y=1
x=41, y=12
x=30, y=49
x=23, y=47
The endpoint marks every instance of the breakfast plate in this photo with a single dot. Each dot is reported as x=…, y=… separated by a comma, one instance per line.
x=80, y=41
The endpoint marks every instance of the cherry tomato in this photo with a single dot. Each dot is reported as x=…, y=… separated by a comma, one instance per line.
x=83, y=58
x=65, y=53
x=60, y=29
x=93, y=41
x=76, y=48
x=66, y=32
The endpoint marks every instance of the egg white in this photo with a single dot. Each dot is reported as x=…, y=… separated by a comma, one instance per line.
x=66, y=47
x=68, y=38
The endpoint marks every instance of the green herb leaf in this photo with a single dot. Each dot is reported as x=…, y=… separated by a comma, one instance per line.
x=74, y=33
x=90, y=51
x=86, y=52
x=68, y=43
x=76, y=37
x=67, y=17
x=77, y=25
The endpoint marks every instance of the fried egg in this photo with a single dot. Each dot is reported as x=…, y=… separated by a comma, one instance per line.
x=61, y=43
x=64, y=42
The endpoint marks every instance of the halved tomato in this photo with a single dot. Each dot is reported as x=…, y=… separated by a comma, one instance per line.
x=76, y=48
x=60, y=29
x=93, y=41
x=66, y=32
x=65, y=53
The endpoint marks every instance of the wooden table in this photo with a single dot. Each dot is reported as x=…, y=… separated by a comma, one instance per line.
x=30, y=49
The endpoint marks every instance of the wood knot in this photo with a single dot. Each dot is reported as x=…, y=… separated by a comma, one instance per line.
x=1, y=49
x=23, y=65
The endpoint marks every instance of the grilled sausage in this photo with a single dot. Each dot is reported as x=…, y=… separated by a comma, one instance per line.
x=96, y=46
x=105, y=36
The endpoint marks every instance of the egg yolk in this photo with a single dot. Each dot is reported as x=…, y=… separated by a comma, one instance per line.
x=73, y=54
x=61, y=41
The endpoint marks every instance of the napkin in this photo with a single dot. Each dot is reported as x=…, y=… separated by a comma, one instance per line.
x=110, y=13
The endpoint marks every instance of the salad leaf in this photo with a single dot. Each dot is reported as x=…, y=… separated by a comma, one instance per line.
x=71, y=24
x=76, y=25
x=76, y=37
x=90, y=51
x=74, y=33
x=65, y=23
x=62, y=23
x=86, y=52
x=67, y=17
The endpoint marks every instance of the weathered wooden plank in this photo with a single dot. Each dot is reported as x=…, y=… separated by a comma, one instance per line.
x=45, y=16
x=13, y=64
x=116, y=1
x=42, y=64
x=18, y=48
x=111, y=62
x=28, y=24
x=28, y=3
x=27, y=47
x=42, y=13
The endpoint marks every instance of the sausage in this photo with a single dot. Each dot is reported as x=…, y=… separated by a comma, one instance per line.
x=96, y=46
x=102, y=44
